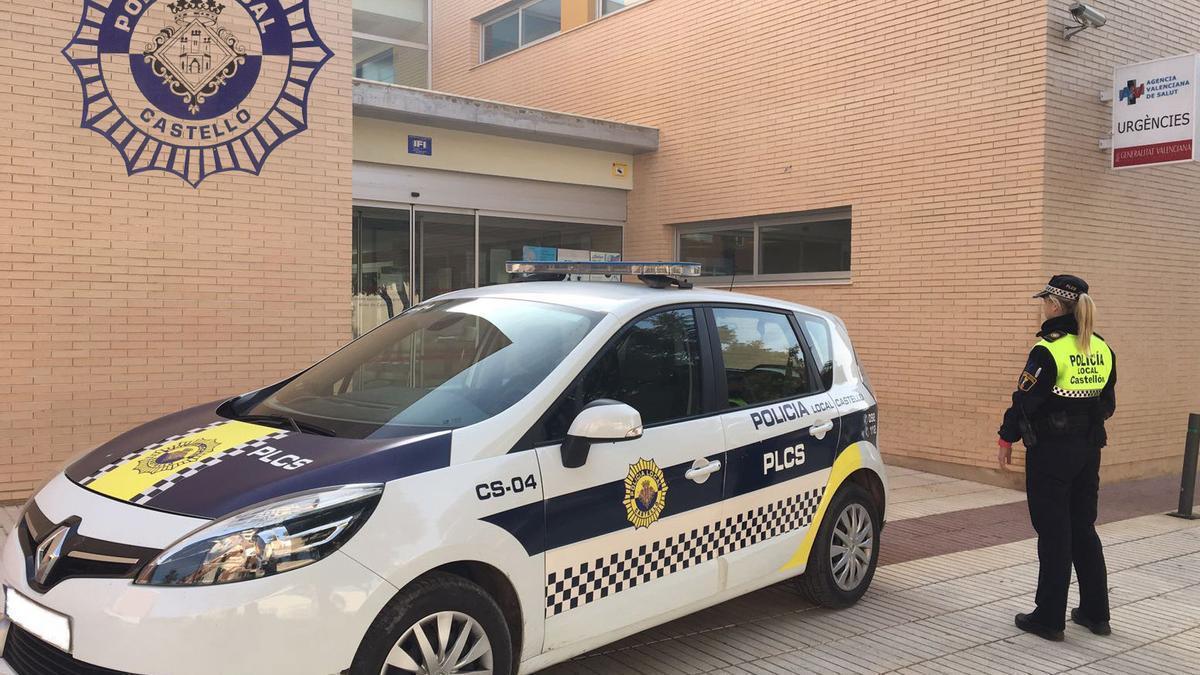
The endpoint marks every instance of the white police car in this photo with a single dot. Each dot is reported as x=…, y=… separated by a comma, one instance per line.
x=496, y=480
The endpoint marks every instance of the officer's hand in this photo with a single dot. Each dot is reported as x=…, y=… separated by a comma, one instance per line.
x=1004, y=455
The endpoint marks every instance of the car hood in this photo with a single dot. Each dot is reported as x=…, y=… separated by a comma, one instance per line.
x=197, y=463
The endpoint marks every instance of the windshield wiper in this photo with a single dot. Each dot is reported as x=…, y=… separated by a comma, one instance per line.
x=288, y=422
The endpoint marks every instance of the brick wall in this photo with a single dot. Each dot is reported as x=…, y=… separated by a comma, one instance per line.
x=929, y=119
x=1133, y=234
x=123, y=298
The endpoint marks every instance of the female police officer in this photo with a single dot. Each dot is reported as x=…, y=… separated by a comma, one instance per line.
x=1062, y=400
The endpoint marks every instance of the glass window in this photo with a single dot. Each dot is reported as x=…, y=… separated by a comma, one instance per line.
x=763, y=358
x=654, y=367
x=445, y=247
x=380, y=264
x=392, y=64
x=443, y=365
x=822, y=246
x=610, y=6
x=811, y=245
x=502, y=239
x=820, y=341
x=721, y=254
x=391, y=41
x=541, y=19
x=501, y=37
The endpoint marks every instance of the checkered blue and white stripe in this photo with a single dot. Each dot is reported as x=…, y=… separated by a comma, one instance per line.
x=170, y=481
x=591, y=580
x=153, y=446
x=1082, y=393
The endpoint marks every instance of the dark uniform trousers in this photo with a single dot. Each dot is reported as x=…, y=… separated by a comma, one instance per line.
x=1062, y=483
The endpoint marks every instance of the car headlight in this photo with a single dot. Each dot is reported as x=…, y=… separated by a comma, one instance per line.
x=264, y=539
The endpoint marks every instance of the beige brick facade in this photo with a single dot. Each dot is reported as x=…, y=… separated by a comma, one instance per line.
x=124, y=298
x=963, y=135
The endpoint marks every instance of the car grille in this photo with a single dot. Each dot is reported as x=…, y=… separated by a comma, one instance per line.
x=28, y=655
x=81, y=556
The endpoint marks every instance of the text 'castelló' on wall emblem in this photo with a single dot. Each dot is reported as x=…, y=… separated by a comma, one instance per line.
x=196, y=87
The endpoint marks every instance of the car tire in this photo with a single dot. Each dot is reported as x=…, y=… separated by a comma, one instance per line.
x=837, y=579
x=428, y=604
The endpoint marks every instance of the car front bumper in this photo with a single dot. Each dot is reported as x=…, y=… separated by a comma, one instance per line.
x=308, y=620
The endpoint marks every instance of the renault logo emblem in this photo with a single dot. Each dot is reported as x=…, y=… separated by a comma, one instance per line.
x=48, y=553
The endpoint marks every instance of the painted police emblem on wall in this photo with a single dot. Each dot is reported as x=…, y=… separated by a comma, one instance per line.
x=196, y=87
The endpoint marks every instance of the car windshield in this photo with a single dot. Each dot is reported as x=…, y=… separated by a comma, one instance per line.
x=441, y=365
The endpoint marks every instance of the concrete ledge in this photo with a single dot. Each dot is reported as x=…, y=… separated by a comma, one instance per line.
x=448, y=111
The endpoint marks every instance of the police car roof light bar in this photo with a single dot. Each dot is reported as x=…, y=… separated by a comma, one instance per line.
x=653, y=274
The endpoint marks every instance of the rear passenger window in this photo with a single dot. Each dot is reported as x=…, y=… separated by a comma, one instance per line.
x=816, y=331
x=763, y=358
x=654, y=367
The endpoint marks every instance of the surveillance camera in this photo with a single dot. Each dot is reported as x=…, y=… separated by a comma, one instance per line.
x=1087, y=16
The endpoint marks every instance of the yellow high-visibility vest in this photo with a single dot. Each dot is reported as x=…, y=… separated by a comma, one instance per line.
x=1080, y=375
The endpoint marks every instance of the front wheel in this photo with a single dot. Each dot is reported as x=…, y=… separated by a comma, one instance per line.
x=441, y=624
x=846, y=549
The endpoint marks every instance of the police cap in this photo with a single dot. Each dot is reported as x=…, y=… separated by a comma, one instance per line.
x=1065, y=286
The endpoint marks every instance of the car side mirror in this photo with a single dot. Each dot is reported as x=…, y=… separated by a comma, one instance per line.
x=601, y=421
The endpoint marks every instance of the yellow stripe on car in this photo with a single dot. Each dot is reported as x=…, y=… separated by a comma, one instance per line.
x=138, y=474
x=849, y=461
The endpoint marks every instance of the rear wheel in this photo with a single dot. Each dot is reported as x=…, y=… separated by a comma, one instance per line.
x=439, y=625
x=842, y=562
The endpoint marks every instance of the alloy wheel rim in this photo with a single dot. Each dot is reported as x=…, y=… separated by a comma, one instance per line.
x=851, y=547
x=445, y=643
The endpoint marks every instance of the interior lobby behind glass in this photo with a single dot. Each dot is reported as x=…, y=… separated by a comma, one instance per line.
x=402, y=256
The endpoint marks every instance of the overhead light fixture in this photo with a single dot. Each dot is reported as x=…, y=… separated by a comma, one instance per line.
x=1086, y=17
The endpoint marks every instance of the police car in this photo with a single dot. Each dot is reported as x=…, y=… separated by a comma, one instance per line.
x=494, y=481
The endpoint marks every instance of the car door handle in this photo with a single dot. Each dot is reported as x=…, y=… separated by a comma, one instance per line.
x=703, y=471
x=821, y=429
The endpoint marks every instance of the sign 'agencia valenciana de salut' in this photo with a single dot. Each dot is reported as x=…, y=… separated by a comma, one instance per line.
x=196, y=87
x=1154, y=112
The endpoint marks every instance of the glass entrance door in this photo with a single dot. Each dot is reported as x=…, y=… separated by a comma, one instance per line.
x=445, y=248
x=382, y=266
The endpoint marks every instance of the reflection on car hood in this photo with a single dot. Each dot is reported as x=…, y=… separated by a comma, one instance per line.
x=198, y=463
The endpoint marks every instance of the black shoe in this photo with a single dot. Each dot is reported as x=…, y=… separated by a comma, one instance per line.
x=1097, y=627
x=1030, y=626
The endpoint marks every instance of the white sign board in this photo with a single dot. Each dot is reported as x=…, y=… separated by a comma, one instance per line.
x=1154, y=112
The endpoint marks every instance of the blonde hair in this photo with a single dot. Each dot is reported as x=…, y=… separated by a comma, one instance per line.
x=1085, y=315
x=1084, y=310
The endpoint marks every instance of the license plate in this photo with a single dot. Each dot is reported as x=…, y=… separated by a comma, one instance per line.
x=46, y=624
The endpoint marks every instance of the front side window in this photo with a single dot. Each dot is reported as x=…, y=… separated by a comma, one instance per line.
x=654, y=367
x=763, y=358
x=813, y=245
x=441, y=365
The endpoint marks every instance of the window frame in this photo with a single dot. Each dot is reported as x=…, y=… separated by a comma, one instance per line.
x=515, y=6
x=755, y=224
x=600, y=8
x=519, y=10
x=816, y=385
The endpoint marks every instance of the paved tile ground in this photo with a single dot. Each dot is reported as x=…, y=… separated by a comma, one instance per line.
x=946, y=607
x=944, y=614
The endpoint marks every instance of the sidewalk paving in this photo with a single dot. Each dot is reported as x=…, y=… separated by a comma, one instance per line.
x=946, y=607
